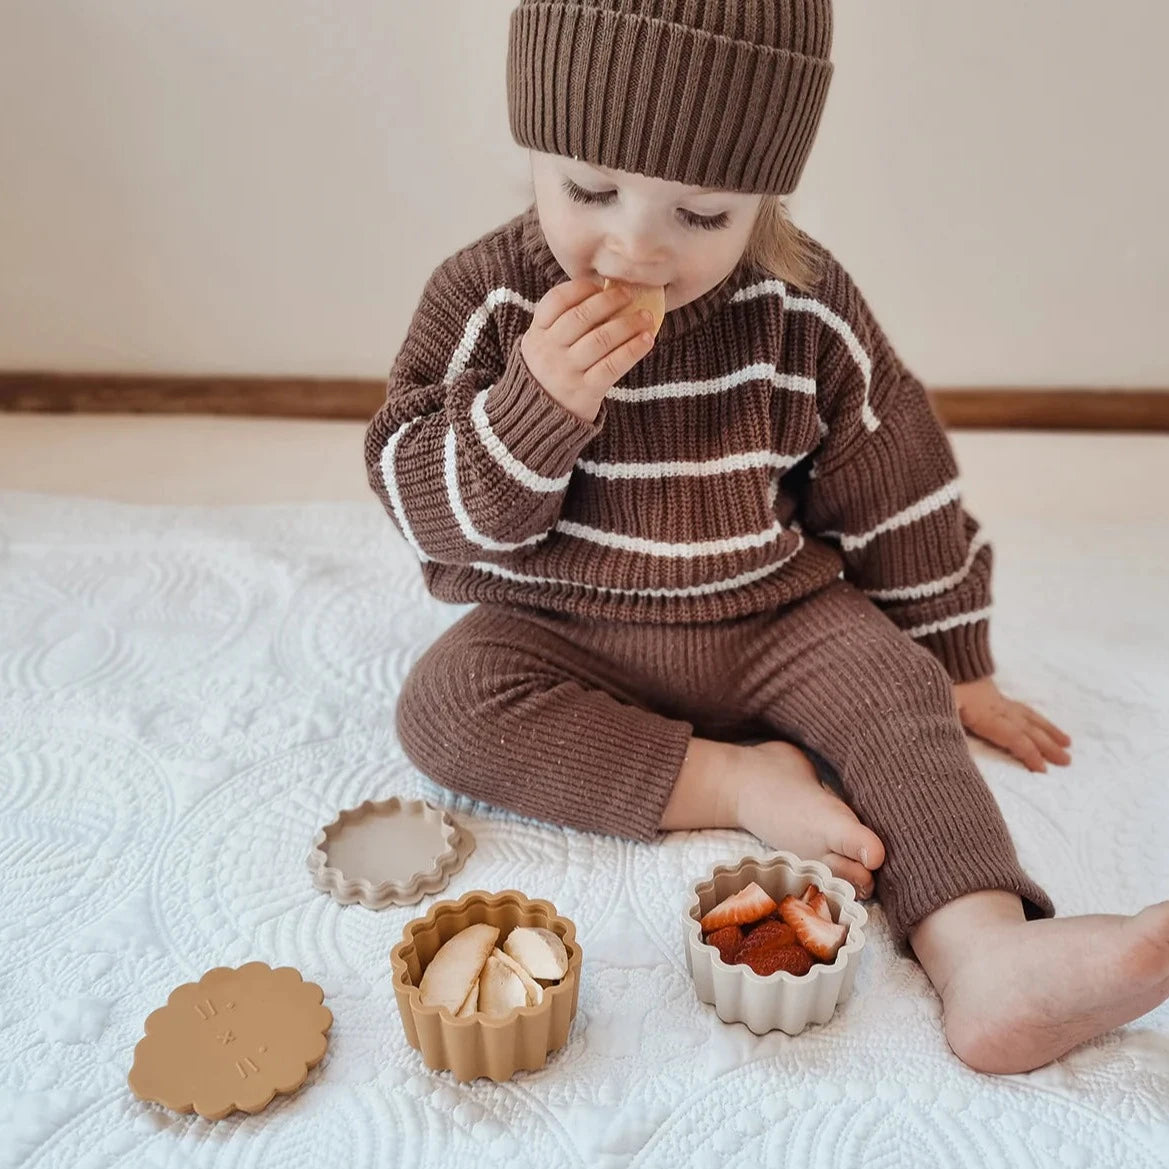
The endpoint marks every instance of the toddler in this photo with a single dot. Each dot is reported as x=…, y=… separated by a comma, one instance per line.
x=746, y=527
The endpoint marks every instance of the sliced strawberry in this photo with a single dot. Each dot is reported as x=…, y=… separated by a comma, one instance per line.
x=747, y=905
x=820, y=904
x=770, y=919
x=807, y=895
x=773, y=946
x=726, y=941
x=820, y=938
x=768, y=931
x=793, y=958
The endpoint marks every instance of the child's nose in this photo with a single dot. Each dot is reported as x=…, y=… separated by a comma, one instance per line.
x=638, y=243
x=639, y=256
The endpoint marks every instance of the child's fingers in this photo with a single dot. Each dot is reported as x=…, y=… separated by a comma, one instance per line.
x=559, y=300
x=1063, y=739
x=584, y=316
x=1047, y=745
x=617, y=364
x=1008, y=734
x=607, y=336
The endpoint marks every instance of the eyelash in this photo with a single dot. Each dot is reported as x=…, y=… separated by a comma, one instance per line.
x=690, y=218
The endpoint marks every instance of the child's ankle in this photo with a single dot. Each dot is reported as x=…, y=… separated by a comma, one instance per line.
x=755, y=780
x=707, y=793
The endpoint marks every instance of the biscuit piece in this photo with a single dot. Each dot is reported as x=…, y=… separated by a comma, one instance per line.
x=647, y=297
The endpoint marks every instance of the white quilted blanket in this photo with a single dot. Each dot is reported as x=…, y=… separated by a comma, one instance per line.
x=187, y=694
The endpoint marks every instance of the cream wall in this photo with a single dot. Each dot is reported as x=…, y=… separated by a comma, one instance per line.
x=263, y=185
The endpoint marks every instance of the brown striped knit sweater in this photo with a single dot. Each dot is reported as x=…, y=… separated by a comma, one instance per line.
x=770, y=442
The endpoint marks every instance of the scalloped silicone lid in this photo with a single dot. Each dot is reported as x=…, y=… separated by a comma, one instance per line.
x=388, y=852
x=233, y=1040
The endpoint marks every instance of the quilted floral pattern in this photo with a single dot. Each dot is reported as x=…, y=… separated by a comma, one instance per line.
x=187, y=694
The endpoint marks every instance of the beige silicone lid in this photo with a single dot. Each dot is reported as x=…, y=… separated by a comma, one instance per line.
x=388, y=852
x=232, y=1040
x=780, y=1001
x=477, y=1045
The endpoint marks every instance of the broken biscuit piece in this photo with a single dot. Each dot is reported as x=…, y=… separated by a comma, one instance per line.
x=539, y=951
x=647, y=297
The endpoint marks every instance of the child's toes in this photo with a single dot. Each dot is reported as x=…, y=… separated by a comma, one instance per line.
x=849, y=870
x=861, y=844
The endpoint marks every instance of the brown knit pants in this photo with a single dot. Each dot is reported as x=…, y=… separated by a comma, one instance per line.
x=586, y=724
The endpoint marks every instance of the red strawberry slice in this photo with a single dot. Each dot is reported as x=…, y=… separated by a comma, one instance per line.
x=727, y=941
x=820, y=938
x=820, y=904
x=793, y=958
x=740, y=908
x=773, y=932
x=808, y=894
x=772, y=946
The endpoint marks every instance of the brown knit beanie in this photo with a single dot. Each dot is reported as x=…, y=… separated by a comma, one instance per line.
x=713, y=93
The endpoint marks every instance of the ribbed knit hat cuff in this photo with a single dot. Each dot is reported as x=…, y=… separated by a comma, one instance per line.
x=634, y=93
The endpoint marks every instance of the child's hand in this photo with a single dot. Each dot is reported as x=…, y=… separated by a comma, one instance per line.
x=988, y=713
x=577, y=347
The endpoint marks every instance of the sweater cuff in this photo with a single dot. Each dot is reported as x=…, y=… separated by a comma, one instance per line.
x=963, y=650
x=537, y=430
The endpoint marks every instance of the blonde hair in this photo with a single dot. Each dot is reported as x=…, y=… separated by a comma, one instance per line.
x=779, y=248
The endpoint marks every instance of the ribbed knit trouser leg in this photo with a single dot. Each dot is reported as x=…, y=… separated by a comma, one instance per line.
x=506, y=710
x=840, y=678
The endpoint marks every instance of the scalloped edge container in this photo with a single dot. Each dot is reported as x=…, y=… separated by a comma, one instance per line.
x=780, y=1001
x=413, y=886
x=478, y=1046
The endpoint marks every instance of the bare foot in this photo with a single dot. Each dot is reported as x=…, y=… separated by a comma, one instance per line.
x=782, y=801
x=1017, y=994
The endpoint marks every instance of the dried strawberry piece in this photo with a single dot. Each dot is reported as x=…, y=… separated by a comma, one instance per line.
x=749, y=904
x=773, y=932
x=773, y=946
x=820, y=904
x=793, y=958
x=727, y=941
x=822, y=939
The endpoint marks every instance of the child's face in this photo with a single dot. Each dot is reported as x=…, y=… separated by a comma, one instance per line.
x=606, y=223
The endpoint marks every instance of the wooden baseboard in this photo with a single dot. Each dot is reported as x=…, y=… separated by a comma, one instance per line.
x=1002, y=408
x=258, y=397
x=1053, y=409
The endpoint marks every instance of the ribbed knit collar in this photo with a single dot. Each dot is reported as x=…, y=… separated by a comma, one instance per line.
x=678, y=322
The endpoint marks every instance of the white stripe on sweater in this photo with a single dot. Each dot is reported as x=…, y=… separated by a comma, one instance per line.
x=702, y=590
x=470, y=533
x=805, y=304
x=499, y=452
x=916, y=511
x=949, y=623
x=672, y=551
x=760, y=371
x=390, y=479
x=934, y=587
x=745, y=461
x=458, y=363
x=466, y=346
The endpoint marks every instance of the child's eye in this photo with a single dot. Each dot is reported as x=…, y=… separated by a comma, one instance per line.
x=706, y=222
x=598, y=198
x=580, y=195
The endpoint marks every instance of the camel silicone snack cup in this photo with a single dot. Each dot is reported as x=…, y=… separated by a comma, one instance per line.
x=477, y=1045
x=780, y=1001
